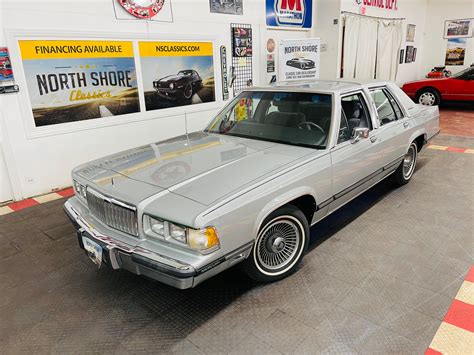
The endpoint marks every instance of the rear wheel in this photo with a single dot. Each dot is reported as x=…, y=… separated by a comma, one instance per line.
x=279, y=246
x=405, y=171
x=428, y=97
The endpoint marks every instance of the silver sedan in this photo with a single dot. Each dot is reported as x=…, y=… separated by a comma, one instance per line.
x=273, y=162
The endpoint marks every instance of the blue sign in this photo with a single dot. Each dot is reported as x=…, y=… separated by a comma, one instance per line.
x=289, y=13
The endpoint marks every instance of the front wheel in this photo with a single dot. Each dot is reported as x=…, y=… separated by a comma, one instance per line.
x=405, y=171
x=279, y=246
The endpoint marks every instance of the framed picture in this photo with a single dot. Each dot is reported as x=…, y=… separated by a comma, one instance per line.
x=402, y=56
x=458, y=28
x=455, y=51
x=411, y=33
x=409, y=54
x=231, y=7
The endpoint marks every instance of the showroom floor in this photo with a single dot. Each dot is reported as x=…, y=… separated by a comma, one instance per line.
x=379, y=277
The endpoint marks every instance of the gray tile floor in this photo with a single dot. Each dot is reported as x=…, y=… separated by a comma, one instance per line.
x=379, y=276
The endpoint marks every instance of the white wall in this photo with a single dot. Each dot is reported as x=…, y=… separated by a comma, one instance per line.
x=41, y=160
x=326, y=11
x=435, y=45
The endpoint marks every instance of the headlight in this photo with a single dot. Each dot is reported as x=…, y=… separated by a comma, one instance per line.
x=171, y=86
x=157, y=226
x=178, y=233
x=80, y=190
x=203, y=240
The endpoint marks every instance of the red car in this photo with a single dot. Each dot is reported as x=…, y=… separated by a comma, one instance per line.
x=458, y=87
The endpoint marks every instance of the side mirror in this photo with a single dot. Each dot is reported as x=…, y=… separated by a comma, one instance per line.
x=359, y=133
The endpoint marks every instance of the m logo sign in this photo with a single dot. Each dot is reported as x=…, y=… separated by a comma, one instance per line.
x=289, y=13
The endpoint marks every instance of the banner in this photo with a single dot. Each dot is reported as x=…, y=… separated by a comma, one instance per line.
x=299, y=59
x=290, y=13
x=177, y=73
x=73, y=80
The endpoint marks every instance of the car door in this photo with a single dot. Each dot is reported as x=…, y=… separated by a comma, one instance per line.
x=460, y=88
x=356, y=164
x=393, y=126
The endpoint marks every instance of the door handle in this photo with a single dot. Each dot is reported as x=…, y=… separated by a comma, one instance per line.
x=373, y=139
x=406, y=124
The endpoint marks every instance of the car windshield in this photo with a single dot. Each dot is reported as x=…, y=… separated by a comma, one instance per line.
x=293, y=118
x=185, y=72
x=462, y=72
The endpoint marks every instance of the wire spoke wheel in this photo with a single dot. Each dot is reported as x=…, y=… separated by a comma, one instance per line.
x=278, y=244
x=409, y=162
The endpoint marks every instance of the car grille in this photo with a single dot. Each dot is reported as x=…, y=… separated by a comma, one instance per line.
x=115, y=214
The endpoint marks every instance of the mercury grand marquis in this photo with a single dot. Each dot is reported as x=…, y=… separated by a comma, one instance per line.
x=246, y=189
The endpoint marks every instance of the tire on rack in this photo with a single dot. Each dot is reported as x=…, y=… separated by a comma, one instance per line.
x=428, y=97
x=405, y=171
x=279, y=246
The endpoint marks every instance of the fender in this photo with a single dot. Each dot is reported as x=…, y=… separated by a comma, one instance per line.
x=279, y=202
x=419, y=132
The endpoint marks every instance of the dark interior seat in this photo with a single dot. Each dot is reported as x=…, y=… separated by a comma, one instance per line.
x=355, y=113
x=286, y=119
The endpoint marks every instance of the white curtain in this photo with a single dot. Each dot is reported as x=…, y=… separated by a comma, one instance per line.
x=351, y=39
x=367, y=49
x=371, y=47
x=388, y=47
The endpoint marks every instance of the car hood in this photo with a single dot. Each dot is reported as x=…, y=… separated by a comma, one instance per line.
x=171, y=78
x=200, y=166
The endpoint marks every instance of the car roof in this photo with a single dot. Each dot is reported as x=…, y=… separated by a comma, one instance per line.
x=322, y=86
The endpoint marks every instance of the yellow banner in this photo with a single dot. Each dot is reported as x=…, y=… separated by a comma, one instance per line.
x=175, y=49
x=58, y=49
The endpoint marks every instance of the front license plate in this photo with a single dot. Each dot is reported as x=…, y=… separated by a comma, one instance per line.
x=93, y=250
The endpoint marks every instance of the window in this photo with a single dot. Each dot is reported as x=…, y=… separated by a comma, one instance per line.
x=356, y=113
x=294, y=118
x=395, y=105
x=387, y=108
x=344, y=133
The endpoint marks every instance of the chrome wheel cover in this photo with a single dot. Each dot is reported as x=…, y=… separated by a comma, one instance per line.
x=278, y=245
x=427, y=98
x=409, y=162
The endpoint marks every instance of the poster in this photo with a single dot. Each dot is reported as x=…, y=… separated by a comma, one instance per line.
x=290, y=13
x=458, y=28
x=177, y=73
x=270, y=63
x=231, y=7
x=242, y=41
x=409, y=54
x=299, y=59
x=73, y=80
x=6, y=73
x=456, y=51
x=410, y=33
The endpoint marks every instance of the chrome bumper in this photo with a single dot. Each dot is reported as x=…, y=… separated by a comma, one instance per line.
x=119, y=255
